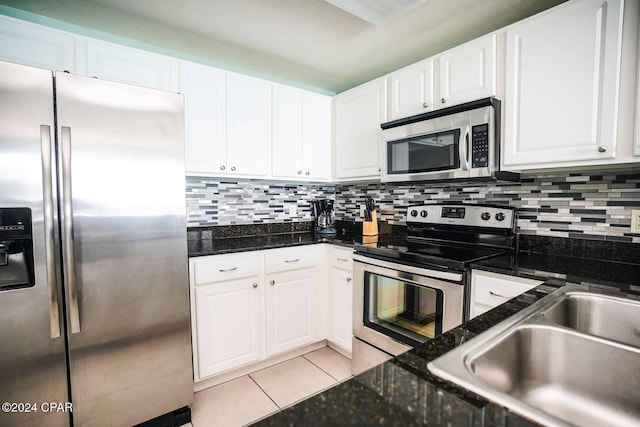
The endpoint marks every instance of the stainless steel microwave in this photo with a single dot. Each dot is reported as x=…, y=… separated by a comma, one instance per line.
x=456, y=143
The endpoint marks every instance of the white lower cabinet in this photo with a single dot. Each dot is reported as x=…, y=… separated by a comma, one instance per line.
x=489, y=290
x=290, y=314
x=341, y=298
x=229, y=325
x=248, y=307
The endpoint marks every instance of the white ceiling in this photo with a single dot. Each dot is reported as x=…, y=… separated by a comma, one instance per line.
x=308, y=43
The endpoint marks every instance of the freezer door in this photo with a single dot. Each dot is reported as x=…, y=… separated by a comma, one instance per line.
x=33, y=369
x=122, y=186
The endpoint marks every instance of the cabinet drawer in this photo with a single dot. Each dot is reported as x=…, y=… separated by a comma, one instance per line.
x=493, y=289
x=341, y=258
x=225, y=267
x=290, y=258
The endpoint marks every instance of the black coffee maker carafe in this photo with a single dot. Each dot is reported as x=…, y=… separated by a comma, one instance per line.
x=323, y=214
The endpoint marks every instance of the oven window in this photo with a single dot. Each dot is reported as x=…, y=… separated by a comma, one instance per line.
x=433, y=152
x=404, y=310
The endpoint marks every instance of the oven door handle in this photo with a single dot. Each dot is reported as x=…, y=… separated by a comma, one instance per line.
x=436, y=274
x=463, y=149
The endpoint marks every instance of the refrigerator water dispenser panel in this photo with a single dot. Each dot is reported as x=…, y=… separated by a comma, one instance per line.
x=16, y=249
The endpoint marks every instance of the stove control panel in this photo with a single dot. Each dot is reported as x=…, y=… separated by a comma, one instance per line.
x=462, y=215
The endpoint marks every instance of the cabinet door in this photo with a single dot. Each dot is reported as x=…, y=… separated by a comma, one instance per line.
x=468, y=72
x=412, y=90
x=228, y=325
x=358, y=115
x=205, y=109
x=316, y=136
x=290, y=310
x=36, y=46
x=126, y=65
x=287, y=132
x=489, y=290
x=248, y=125
x=341, y=308
x=562, y=80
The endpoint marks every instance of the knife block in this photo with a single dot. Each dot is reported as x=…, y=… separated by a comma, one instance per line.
x=370, y=228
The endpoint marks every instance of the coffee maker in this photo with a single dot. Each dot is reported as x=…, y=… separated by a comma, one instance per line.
x=323, y=213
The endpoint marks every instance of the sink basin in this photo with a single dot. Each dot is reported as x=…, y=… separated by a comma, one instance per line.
x=599, y=315
x=558, y=362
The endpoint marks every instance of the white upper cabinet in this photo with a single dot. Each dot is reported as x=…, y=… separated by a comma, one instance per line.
x=562, y=83
x=358, y=115
x=126, y=65
x=248, y=126
x=465, y=73
x=301, y=134
x=636, y=145
x=205, y=109
x=227, y=122
x=36, y=46
x=468, y=72
x=412, y=90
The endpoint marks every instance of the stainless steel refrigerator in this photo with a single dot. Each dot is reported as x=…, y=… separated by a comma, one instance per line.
x=94, y=295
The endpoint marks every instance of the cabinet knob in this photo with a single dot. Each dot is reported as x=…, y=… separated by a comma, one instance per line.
x=443, y=100
x=233, y=168
x=273, y=282
x=425, y=105
x=307, y=173
x=222, y=167
x=299, y=172
x=255, y=285
x=349, y=279
x=602, y=148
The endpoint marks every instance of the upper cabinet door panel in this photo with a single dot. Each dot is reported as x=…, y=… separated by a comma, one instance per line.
x=36, y=46
x=126, y=65
x=358, y=115
x=248, y=125
x=468, y=72
x=412, y=90
x=287, y=132
x=316, y=134
x=562, y=81
x=204, y=90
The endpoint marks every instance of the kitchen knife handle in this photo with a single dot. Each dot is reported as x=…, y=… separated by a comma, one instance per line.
x=67, y=230
x=463, y=149
x=49, y=237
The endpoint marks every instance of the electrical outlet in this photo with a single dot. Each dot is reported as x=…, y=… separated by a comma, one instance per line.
x=362, y=208
x=635, y=221
x=293, y=211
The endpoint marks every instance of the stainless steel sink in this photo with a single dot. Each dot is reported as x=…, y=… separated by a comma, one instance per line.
x=554, y=364
x=599, y=315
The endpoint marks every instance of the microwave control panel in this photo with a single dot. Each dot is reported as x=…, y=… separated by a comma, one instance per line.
x=480, y=146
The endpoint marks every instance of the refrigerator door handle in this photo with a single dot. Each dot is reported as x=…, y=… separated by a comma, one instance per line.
x=47, y=189
x=67, y=230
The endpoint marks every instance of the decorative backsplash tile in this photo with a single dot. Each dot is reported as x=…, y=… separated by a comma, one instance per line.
x=211, y=202
x=584, y=206
x=587, y=206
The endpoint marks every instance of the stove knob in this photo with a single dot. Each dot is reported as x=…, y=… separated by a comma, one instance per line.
x=423, y=214
x=414, y=213
x=500, y=216
x=486, y=216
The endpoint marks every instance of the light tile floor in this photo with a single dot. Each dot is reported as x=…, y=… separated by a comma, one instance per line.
x=252, y=397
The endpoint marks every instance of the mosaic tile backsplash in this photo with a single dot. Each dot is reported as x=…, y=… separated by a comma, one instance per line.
x=588, y=206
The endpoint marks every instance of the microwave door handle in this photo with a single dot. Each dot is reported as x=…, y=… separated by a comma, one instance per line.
x=463, y=149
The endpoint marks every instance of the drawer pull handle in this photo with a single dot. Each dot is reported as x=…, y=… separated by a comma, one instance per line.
x=228, y=269
x=342, y=259
x=291, y=260
x=498, y=295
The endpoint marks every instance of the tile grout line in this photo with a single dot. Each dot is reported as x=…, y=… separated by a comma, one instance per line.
x=266, y=394
x=311, y=361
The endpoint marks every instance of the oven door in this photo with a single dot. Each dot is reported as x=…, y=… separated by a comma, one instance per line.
x=397, y=307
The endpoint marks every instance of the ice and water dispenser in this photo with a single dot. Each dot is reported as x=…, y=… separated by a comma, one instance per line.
x=16, y=249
